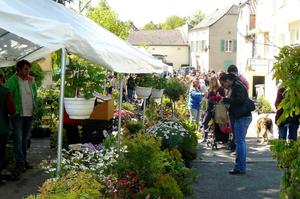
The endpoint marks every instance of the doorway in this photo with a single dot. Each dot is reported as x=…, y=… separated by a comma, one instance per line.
x=257, y=80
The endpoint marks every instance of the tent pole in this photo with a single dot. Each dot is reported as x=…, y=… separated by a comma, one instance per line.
x=61, y=110
x=120, y=114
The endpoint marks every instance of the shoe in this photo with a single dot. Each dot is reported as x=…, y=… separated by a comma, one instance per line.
x=28, y=166
x=236, y=172
x=233, y=154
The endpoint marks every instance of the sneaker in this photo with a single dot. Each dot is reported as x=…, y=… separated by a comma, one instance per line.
x=236, y=172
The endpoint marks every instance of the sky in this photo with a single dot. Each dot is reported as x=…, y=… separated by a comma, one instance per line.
x=144, y=11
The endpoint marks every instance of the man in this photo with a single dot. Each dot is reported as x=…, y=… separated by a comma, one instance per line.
x=6, y=107
x=24, y=93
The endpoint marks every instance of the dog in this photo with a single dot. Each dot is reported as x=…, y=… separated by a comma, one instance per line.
x=264, y=129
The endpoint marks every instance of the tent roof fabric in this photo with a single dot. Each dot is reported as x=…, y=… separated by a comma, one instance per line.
x=33, y=28
x=157, y=38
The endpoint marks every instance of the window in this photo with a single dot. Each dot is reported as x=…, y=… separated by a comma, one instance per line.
x=228, y=46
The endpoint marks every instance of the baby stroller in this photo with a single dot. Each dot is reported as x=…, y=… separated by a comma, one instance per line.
x=211, y=138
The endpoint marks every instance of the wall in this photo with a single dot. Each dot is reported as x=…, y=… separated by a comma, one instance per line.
x=178, y=55
x=198, y=57
x=224, y=29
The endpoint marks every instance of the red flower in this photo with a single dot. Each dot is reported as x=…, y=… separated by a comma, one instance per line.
x=218, y=98
x=226, y=130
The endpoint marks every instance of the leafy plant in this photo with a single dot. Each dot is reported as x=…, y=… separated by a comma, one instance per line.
x=130, y=107
x=83, y=78
x=287, y=71
x=264, y=105
x=288, y=160
x=168, y=187
x=71, y=186
x=159, y=82
x=134, y=127
x=144, y=80
x=152, y=111
x=174, y=90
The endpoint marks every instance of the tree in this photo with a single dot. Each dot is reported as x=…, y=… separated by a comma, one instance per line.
x=287, y=70
x=152, y=26
x=196, y=18
x=173, y=22
x=107, y=18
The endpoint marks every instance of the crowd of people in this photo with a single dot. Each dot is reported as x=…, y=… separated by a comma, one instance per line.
x=18, y=99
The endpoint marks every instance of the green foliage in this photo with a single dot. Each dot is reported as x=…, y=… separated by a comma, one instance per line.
x=196, y=18
x=152, y=111
x=130, y=107
x=83, y=78
x=72, y=186
x=265, y=105
x=144, y=157
x=107, y=18
x=152, y=26
x=36, y=72
x=144, y=80
x=159, y=82
x=288, y=159
x=173, y=22
x=134, y=127
x=168, y=187
x=175, y=89
x=287, y=70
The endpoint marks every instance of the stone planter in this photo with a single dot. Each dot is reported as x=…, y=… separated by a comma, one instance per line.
x=143, y=92
x=79, y=108
x=157, y=93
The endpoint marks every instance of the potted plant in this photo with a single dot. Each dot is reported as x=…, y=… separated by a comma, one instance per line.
x=174, y=90
x=143, y=85
x=82, y=80
x=159, y=83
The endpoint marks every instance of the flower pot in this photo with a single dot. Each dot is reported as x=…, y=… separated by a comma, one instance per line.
x=157, y=93
x=143, y=92
x=79, y=108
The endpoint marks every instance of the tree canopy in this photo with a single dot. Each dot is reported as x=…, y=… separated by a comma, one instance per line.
x=107, y=18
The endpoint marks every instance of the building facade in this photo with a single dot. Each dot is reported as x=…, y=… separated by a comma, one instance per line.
x=169, y=44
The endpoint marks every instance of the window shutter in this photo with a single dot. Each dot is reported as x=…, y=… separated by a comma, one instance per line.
x=223, y=45
x=234, y=45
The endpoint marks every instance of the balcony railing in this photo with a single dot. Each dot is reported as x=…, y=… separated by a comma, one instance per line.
x=260, y=65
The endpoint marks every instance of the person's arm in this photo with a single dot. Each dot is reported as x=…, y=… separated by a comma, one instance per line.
x=11, y=108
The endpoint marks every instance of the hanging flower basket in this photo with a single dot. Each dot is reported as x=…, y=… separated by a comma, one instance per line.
x=79, y=108
x=157, y=93
x=143, y=92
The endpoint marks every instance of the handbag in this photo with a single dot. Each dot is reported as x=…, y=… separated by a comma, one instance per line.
x=247, y=107
x=221, y=116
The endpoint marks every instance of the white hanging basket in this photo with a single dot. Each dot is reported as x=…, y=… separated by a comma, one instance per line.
x=143, y=92
x=157, y=93
x=79, y=108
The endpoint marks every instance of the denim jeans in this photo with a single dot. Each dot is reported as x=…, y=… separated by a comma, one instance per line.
x=293, y=127
x=130, y=94
x=21, y=135
x=3, y=141
x=194, y=115
x=240, y=129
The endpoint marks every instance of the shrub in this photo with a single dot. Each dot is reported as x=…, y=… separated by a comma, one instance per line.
x=168, y=187
x=134, y=127
x=288, y=159
x=128, y=106
x=72, y=186
x=159, y=82
x=264, y=105
x=144, y=80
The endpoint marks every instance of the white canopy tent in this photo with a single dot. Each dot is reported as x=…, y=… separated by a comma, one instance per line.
x=32, y=29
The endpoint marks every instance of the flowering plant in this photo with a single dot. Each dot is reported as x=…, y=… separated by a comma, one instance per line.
x=125, y=115
x=215, y=98
x=90, y=158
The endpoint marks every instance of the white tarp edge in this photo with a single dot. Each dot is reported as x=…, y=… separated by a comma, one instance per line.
x=53, y=26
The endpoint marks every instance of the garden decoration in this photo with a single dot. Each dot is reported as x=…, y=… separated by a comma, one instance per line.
x=159, y=83
x=82, y=80
x=143, y=89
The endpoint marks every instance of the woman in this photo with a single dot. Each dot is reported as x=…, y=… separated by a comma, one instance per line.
x=215, y=89
x=194, y=103
x=242, y=119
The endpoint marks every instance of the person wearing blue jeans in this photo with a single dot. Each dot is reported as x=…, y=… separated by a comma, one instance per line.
x=194, y=101
x=241, y=116
x=292, y=127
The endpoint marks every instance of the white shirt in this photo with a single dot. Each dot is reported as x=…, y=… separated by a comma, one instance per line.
x=26, y=98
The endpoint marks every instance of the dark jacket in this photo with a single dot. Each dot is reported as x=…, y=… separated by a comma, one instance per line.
x=7, y=106
x=237, y=99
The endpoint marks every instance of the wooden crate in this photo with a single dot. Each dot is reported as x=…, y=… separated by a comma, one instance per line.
x=103, y=111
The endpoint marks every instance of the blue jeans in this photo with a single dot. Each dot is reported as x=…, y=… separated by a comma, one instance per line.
x=21, y=135
x=130, y=94
x=293, y=127
x=240, y=129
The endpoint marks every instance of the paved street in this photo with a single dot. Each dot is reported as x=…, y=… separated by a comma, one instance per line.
x=262, y=179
